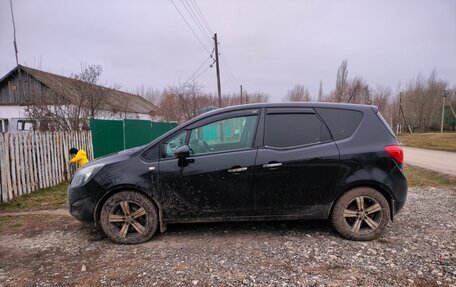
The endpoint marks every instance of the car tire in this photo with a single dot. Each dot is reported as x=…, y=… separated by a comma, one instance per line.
x=129, y=217
x=361, y=214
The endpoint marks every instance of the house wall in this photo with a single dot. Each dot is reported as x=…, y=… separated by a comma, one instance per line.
x=16, y=92
x=12, y=111
x=10, y=115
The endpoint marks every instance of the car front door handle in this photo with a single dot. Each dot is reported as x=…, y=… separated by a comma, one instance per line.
x=239, y=169
x=271, y=165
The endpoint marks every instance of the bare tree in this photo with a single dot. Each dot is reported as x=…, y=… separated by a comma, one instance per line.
x=298, y=94
x=71, y=103
x=341, y=82
x=357, y=91
x=150, y=94
x=257, y=97
x=421, y=102
x=320, y=92
x=187, y=97
x=91, y=98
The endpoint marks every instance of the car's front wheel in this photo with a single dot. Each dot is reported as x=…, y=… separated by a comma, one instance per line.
x=129, y=217
x=361, y=214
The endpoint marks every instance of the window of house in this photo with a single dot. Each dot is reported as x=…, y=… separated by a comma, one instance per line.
x=3, y=125
x=294, y=129
x=26, y=125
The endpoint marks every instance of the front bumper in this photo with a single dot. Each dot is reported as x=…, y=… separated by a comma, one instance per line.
x=82, y=201
x=83, y=209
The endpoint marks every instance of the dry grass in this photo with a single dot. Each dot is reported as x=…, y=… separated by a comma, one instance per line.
x=47, y=198
x=437, y=141
x=418, y=176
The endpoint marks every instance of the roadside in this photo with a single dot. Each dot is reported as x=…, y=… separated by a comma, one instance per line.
x=440, y=161
x=435, y=141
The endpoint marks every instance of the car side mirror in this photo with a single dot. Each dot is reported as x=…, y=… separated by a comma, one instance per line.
x=182, y=153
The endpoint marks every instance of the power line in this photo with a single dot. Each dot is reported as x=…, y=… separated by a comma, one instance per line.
x=192, y=77
x=196, y=20
x=230, y=71
x=202, y=17
x=202, y=72
x=197, y=17
x=190, y=27
x=230, y=74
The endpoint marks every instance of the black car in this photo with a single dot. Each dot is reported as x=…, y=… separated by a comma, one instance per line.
x=252, y=162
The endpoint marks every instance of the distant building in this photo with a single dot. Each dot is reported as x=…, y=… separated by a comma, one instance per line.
x=24, y=88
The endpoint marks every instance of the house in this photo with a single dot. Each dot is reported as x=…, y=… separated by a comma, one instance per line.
x=32, y=99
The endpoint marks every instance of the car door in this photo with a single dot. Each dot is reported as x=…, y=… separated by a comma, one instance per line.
x=217, y=179
x=297, y=168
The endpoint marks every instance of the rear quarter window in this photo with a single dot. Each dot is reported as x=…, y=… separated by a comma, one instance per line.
x=294, y=129
x=341, y=123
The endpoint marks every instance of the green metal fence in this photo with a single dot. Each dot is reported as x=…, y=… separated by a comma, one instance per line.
x=109, y=136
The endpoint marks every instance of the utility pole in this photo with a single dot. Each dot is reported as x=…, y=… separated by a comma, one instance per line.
x=241, y=94
x=219, y=89
x=443, y=110
x=14, y=33
x=399, y=129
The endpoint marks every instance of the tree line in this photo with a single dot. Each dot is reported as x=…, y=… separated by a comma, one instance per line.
x=416, y=107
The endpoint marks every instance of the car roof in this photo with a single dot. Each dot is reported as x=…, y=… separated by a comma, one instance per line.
x=356, y=107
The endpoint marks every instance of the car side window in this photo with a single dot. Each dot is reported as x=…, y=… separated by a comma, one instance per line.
x=152, y=154
x=169, y=145
x=294, y=129
x=342, y=123
x=224, y=135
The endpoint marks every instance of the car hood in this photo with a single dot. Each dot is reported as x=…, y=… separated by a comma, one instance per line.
x=117, y=157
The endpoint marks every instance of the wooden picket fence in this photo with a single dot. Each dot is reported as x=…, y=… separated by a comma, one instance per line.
x=33, y=160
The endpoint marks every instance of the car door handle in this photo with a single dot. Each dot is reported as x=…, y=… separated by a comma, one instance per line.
x=270, y=165
x=239, y=169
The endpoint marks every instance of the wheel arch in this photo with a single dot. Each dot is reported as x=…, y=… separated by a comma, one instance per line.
x=371, y=184
x=117, y=189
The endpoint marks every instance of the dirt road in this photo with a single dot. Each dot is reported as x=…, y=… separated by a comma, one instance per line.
x=440, y=161
x=53, y=249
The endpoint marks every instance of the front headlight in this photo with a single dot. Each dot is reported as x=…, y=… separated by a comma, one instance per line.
x=83, y=175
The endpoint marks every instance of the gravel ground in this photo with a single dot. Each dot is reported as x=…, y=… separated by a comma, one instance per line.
x=418, y=249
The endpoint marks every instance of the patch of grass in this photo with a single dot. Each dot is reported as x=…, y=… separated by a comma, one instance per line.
x=437, y=141
x=418, y=176
x=46, y=198
x=16, y=225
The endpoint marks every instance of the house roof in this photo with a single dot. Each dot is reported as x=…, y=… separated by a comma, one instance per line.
x=67, y=87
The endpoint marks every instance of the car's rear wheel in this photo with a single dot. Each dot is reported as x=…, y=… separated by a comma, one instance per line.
x=129, y=217
x=361, y=214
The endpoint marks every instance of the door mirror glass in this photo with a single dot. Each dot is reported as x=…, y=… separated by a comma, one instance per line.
x=182, y=152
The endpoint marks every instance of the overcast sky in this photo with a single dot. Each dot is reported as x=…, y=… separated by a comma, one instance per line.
x=267, y=46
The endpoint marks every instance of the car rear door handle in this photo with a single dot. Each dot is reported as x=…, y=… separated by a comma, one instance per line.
x=270, y=165
x=238, y=169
